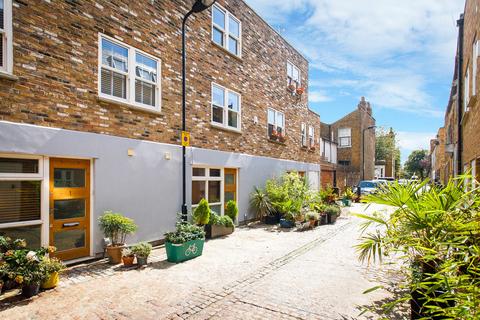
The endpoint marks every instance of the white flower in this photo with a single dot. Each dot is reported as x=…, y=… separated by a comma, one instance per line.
x=32, y=256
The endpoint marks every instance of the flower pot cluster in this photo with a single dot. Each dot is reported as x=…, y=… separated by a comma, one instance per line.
x=287, y=201
x=28, y=269
x=278, y=136
x=116, y=228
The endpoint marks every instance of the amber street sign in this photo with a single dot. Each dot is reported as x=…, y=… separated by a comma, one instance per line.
x=185, y=139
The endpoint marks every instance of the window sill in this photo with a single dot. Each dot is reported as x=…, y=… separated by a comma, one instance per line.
x=277, y=142
x=8, y=76
x=344, y=147
x=220, y=127
x=239, y=58
x=127, y=104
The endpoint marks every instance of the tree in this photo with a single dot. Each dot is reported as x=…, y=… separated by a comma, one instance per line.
x=418, y=163
x=386, y=147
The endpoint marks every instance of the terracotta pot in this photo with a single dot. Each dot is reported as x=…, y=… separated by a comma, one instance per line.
x=51, y=282
x=128, y=261
x=30, y=290
x=114, y=254
x=312, y=223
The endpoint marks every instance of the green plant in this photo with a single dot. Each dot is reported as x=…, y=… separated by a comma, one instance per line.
x=23, y=266
x=312, y=215
x=332, y=210
x=127, y=252
x=348, y=194
x=116, y=227
x=231, y=210
x=436, y=232
x=184, y=232
x=201, y=214
x=217, y=220
x=50, y=265
x=142, y=249
x=6, y=243
x=318, y=207
x=261, y=203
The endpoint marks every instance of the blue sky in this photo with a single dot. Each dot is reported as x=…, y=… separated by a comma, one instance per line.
x=398, y=54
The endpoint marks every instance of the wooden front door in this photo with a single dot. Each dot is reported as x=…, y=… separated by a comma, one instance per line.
x=70, y=207
x=230, y=185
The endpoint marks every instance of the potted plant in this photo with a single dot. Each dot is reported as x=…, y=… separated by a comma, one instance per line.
x=348, y=196
x=260, y=202
x=23, y=266
x=291, y=88
x=231, y=210
x=185, y=243
x=127, y=257
x=332, y=212
x=312, y=218
x=201, y=214
x=282, y=137
x=142, y=250
x=300, y=91
x=116, y=227
x=288, y=220
x=219, y=226
x=274, y=135
x=51, y=267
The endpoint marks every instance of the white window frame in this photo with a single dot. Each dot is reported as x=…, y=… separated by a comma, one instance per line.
x=311, y=136
x=340, y=145
x=6, y=36
x=130, y=77
x=226, y=32
x=225, y=109
x=275, y=125
x=208, y=178
x=290, y=79
x=43, y=177
x=304, y=135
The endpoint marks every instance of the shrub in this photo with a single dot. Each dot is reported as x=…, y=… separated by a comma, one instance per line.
x=142, y=249
x=23, y=266
x=435, y=231
x=333, y=210
x=184, y=232
x=217, y=220
x=201, y=214
x=312, y=215
x=116, y=227
x=232, y=210
x=51, y=265
x=261, y=203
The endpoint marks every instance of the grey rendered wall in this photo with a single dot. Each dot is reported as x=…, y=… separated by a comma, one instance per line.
x=146, y=187
x=253, y=171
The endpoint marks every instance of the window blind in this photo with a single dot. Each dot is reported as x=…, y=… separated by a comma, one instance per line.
x=19, y=201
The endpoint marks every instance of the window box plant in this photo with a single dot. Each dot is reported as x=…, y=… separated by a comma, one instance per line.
x=127, y=257
x=142, y=251
x=219, y=226
x=185, y=243
x=274, y=135
x=300, y=91
x=282, y=137
x=291, y=88
x=116, y=227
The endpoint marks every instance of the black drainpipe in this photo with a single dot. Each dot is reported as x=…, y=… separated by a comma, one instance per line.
x=460, y=85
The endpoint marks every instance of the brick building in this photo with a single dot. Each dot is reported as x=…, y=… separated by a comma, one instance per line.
x=437, y=157
x=349, y=132
x=462, y=150
x=328, y=153
x=90, y=115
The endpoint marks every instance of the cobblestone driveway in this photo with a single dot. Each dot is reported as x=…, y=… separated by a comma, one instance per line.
x=256, y=273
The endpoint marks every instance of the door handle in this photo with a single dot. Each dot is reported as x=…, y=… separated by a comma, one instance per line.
x=71, y=224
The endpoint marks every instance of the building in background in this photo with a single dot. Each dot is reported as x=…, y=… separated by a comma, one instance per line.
x=90, y=115
x=462, y=116
x=437, y=157
x=386, y=155
x=353, y=165
x=328, y=154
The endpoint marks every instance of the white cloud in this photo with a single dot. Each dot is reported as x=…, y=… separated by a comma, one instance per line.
x=318, y=96
x=409, y=141
x=392, y=49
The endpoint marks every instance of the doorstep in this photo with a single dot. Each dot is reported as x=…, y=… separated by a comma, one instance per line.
x=100, y=268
